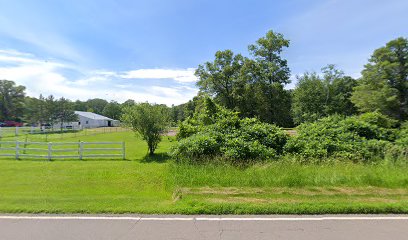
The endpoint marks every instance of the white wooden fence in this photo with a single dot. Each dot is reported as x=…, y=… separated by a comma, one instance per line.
x=60, y=150
x=18, y=131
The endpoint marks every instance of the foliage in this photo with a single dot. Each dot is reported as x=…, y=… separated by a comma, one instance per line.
x=402, y=136
x=148, y=120
x=264, y=78
x=364, y=137
x=219, y=78
x=308, y=98
x=384, y=85
x=266, y=51
x=217, y=133
x=35, y=110
x=315, y=97
x=11, y=100
x=252, y=86
x=64, y=111
x=96, y=105
x=49, y=111
x=112, y=110
x=378, y=119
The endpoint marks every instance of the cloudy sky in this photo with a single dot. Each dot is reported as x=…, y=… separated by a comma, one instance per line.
x=148, y=50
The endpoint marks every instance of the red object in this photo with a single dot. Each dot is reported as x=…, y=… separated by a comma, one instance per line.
x=12, y=124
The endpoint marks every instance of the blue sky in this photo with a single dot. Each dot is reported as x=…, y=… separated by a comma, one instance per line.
x=148, y=50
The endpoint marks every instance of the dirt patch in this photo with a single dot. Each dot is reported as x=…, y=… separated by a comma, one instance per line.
x=291, y=132
x=241, y=200
x=222, y=191
x=171, y=133
x=349, y=191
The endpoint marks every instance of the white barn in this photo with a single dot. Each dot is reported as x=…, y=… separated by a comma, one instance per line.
x=93, y=120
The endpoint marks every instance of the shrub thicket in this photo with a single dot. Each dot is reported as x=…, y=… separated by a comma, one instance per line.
x=399, y=150
x=365, y=137
x=217, y=133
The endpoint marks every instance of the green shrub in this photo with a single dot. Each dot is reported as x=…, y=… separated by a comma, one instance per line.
x=239, y=150
x=220, y=134
x=268, y=135
x=362, y=137
x=196, y=146
x=402, y=136
x=399, y=150
x=187, y=128
x=378, y=119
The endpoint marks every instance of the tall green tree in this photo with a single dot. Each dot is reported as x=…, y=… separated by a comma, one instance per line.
x=112, y=110
x=96, y=105
x=129, y=102
x=51, y=109
x=35, y=110
x=271, y=67
x=268, y=73
x=64, y=111
x=252, y=86
x=219, y=78
x=384, y=83
x=80, y=106
x=308, y=98
x=317, y=96
x=12, y=98
x=150, y=121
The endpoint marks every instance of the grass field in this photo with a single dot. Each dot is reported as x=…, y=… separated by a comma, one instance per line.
x=143, y=184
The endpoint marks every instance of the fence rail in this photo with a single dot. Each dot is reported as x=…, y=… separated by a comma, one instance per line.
x=62, y=150
x=7, y=132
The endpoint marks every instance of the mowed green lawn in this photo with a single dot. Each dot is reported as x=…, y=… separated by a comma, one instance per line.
x=143, y=184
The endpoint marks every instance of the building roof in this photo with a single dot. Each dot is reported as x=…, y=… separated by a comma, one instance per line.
x=91, y=115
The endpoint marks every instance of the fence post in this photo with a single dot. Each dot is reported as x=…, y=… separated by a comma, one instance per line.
x=49, y=151
x=17, y=150
x=32, y=130
x=123, y=151
x=0, y=132
x=16, y=131
x=81, y=149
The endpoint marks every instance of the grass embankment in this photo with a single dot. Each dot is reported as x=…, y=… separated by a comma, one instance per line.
x=293, y=188
x=143, y=184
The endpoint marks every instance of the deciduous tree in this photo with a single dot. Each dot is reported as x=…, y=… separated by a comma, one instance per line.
x=384, y=83
x=219, y=78
x=150, y=121
x=112, y=110
x=12, y=98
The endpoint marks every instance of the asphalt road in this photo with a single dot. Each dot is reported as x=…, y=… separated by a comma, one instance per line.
x=63, y=227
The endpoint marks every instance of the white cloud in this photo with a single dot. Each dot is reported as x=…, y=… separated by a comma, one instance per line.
x=179, y=75
x=51, y=77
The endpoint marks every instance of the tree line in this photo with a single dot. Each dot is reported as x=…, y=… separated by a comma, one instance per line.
x=16, y=106
x=255, y=86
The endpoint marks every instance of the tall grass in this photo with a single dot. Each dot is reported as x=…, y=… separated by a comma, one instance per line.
x=290, y=174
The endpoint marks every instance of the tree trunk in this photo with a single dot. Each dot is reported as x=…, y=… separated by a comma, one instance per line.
x=151, y=150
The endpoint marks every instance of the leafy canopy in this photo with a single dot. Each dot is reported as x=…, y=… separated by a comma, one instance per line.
x=11, y=100
x=150, y=121
x=384, y=84
x=215, y=133
x=319, y=96
x=364, y=137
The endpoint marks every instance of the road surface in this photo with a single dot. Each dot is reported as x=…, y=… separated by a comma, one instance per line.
x=64, y=227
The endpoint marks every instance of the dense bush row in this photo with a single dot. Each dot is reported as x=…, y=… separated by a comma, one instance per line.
x=364, y=137
x=217, y=133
